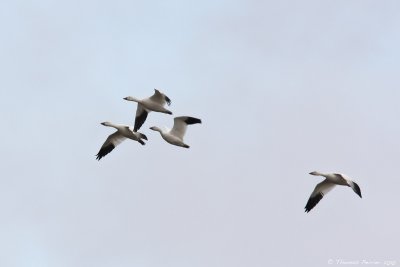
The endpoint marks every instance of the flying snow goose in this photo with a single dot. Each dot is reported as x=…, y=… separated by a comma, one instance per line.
x=175, y=135
x=156, y=103
x=331, y=179
x=123, y=132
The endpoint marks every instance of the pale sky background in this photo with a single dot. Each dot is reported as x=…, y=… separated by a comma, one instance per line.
x=283, y=88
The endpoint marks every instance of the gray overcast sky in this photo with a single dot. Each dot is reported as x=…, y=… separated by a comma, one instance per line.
x=283, y=88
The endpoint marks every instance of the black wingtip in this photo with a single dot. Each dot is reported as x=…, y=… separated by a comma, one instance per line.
x=312, y=202
x=168, y=100
x=192, y=120
x=143, y=136
x=139, y=121
x=104, y=151
x=357, y=189
x=141, y=142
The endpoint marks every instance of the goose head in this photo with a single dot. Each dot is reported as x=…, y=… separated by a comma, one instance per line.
x=155, y=128
x=131, y=98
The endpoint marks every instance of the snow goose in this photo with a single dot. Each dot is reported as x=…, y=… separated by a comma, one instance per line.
x=123, y=132
x=331, y=179
x=175, y=135
x=156, y=102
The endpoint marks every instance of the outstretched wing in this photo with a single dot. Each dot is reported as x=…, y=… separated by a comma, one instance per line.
x=351, y=183
x=140, y=118
x=180, y=125
x=355, y=187
x=160, y=98
x=112, y=141
x=319, y=191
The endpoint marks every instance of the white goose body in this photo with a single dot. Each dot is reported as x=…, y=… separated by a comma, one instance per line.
x=123, y=132
x=156, y=103
x=176, y=134
x=331, y=179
